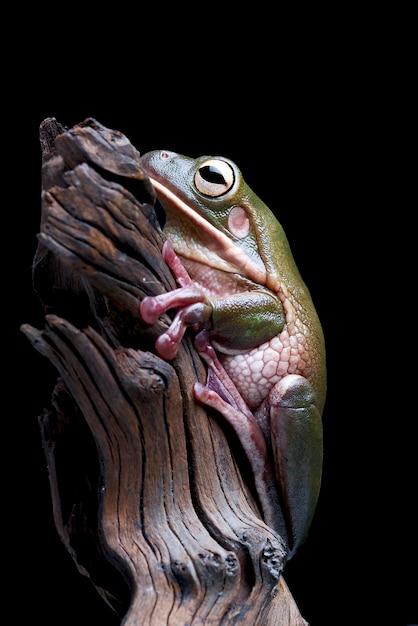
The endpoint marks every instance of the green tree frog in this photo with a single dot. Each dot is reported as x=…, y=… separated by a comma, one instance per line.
x=254, y=324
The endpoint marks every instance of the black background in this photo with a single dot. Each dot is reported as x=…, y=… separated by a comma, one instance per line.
x=318, y=128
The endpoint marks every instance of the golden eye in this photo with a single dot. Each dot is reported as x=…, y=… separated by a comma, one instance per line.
x=214, y=178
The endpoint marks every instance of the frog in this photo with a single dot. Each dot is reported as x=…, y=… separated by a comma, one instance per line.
x=241, y=296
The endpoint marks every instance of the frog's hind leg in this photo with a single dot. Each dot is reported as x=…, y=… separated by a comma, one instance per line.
x=296, y=440
x=221, y=394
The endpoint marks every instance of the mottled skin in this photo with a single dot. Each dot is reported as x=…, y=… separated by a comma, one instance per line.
x=255, y=326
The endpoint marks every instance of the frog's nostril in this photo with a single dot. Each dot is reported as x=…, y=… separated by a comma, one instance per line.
x=164, y=154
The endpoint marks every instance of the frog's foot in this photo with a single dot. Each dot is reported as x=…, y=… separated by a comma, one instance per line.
x=192, y=304
x=192, y=312
x=218, y=379
x=255, y=448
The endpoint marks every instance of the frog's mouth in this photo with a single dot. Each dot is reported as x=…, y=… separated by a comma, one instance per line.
x=229, y=257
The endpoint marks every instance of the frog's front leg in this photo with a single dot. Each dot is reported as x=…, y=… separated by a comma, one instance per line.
x=194, y=308
x=237, y=321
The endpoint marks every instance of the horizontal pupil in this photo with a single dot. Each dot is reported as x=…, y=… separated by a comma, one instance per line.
x=212, y=175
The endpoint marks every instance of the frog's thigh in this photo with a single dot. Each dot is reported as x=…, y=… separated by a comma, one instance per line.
x=296, y=434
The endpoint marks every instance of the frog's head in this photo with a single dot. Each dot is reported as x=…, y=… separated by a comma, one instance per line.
x=212, y=214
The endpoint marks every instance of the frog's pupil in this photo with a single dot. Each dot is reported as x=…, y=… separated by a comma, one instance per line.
x=212, y=174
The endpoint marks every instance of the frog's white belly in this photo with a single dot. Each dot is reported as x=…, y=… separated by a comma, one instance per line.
x=256, y=372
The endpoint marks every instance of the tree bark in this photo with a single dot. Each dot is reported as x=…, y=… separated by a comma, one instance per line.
x=150, y=493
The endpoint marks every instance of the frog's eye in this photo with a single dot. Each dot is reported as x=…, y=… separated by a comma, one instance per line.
x=214, y=178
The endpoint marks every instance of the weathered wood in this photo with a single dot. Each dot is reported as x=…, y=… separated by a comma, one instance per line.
x=149, y=490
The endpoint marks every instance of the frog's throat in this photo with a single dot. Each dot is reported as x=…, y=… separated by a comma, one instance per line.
x=239, y=260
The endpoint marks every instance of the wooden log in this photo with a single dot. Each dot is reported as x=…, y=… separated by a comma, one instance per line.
x=150, y=493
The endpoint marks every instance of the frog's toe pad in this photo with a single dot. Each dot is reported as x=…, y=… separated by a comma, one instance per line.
x=166, y=347
x=149, y=310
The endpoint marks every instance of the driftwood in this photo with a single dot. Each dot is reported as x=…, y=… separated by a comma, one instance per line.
x=150, y=492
